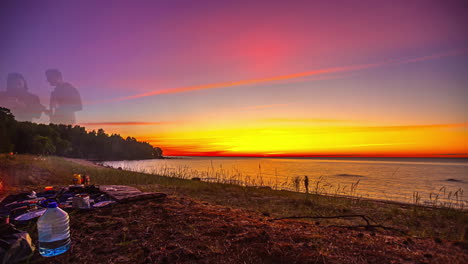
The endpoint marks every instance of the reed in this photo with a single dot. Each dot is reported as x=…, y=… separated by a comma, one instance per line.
x=320, y=185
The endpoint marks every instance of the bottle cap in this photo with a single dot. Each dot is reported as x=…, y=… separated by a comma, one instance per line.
x=52, y=205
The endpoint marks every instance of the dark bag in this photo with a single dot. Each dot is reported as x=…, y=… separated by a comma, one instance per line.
x=15, y=245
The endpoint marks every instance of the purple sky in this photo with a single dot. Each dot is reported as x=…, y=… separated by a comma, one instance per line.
x=118, y=49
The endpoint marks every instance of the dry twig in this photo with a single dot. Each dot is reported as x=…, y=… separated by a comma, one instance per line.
x=367, y=219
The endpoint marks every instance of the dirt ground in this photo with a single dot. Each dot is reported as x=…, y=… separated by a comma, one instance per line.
x=182, y=230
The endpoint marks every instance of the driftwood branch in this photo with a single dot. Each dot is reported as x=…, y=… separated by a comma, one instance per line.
x=367, y=219
x=370, y=227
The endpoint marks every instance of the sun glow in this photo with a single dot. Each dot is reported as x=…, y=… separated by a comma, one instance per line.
x=311, y=140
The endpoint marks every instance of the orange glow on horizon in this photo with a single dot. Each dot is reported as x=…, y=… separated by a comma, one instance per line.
x=303, y=140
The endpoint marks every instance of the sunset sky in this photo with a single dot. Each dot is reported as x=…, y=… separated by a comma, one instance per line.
x=254, y=78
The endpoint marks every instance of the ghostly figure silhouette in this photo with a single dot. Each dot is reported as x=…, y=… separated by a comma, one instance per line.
x=65, y=99
x=24, y=105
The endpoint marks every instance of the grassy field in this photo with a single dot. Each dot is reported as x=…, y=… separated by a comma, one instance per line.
x=24, y=172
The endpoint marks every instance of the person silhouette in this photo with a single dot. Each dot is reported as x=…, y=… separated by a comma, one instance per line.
x=24, y=105
x=65, y=99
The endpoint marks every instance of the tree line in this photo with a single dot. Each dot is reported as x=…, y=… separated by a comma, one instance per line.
x=69, y=141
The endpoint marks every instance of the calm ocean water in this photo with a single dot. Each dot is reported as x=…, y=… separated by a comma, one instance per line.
x=426, y=180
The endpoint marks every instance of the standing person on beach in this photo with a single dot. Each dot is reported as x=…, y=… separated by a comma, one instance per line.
x=65, y=99
x=24, y=105
x=306, y=183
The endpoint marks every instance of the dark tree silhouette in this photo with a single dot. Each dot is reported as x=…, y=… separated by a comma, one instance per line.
x=69, y=141
x=7, y=122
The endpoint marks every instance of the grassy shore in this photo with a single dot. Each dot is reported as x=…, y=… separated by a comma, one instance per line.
x=24, y=172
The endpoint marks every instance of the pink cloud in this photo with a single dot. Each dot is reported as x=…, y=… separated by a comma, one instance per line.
x=341, y=69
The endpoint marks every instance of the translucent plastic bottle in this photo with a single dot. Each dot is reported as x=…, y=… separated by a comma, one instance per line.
x=54, y=231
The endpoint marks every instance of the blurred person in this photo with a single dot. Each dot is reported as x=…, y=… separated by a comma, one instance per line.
x=65, y=99
x=24, y=105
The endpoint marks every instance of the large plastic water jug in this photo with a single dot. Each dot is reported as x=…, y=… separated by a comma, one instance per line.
x=54, y=231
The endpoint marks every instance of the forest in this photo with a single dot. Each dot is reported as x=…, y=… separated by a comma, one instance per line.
x=69, y=141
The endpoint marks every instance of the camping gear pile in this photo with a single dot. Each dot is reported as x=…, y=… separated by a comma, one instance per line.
x=20, y=209
x=23, y=207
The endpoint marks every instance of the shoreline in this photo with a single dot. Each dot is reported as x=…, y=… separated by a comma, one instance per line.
x=461, y=204
x=376, y=200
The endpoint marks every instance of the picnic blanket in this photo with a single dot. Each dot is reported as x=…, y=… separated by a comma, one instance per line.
x=123, y=193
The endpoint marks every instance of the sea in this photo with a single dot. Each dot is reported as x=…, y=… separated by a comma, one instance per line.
x=426, y=181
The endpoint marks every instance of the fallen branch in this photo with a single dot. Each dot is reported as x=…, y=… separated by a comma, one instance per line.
x=371, y=227
x=367, y=219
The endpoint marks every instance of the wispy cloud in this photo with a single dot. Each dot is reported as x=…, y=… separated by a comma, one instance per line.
x=263, y=106
x=434, y=56
x=304, y=120
x=251, y=81
x=374, y=144
x=409, y=127
x=131, y=123
x=342, y=69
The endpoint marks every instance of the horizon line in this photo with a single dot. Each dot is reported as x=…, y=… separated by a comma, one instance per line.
x=443, y=156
